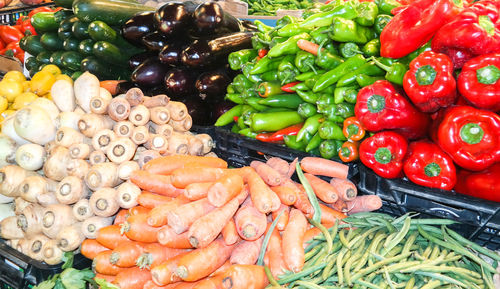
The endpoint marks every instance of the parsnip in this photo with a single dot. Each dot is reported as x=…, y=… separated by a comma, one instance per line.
x=70, y=190
x=119, y=109
x=66, y=136
x=90, y=124
x=78, y=168
x=102, y=139
x=30, y=220
x=34, y=124
x=86, y=87
x=91, y=226
x=30, y=156
x=195, y=146
x=158, y=143
x=11, y=177
x=140, y=135
x=82, y=210
x=125, y=169
x=146, y=156
x=46, y=105
x=208, y=142
x=104, y=202
x=123, y=128
x=52, y=255
x=178, y=144
x=97, y=157
x=102, y=175
x=127, y=194
x=23, y=246
x=159, y=115
x=8, y=149
x=56, y=217
x=35, y=246
x=182, y=125
x=121, y=150
x=9, y=229
x=139, y=115
x=33, y=186
x=134, y=96
x=55, y=167
x=80, y=151
x=47, y=199
x=19, y=205
x=178, y=110
x=157, y=100
x=163, y=129
x=70, y=237
x=63, y=95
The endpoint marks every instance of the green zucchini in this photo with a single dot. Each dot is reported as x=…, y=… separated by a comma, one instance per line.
x=31, y=44
x=55, y=58
x=110, y=53
x=63, y=14
x=51, y=41
x=64, y=3
x=80, y=29
x=85, y=47
x=71, y=44
x=71, y=60
x=44, y=57
x=112, y=12
x=44, y=22
x=76, y=74
x=65, y=26
x=31, y=63
x=102, y=69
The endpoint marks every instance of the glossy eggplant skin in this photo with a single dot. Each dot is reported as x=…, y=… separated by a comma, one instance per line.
x=199, y=110
x=180, y=82
x=174, y=18
x=155, y=41
x=137, y=59
x=139, y=26
x=213, y=83
x=205, y=53
x=150, y=73
x=171, y=53
x=209, y=17
x=124, y=86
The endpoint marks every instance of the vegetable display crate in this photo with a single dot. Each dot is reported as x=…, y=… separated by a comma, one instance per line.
x=479, y=219
x=10, y=14
x=19, y=271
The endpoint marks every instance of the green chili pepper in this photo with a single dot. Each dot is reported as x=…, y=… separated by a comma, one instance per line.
x=276, y=40
x=408, y=58
x=235, y=128
x=311, y=81
x=346, y=11
x=395, y=72
x=287, y=19
x=273, y=121
x=332, y=76
x=254, y=102
x=367, y=68
x=291, y=142
x=331, y=47
x=288, y=47
x=372, y=48
x=308, y=96
x=304, y=61
x=247, y=68
x=238, y=58
x=330, y=113
x=231, y=89
x=291, y=29
x=329, y=148
x=344, y=110
x=380, y=22
x=306, y=109
x=248, y=133
x=345, y=30
x=282, y=100
x=241, y=83
x=320, y=34
x=287, y=71
x=266, y=64
x=257, y=43
x=346, y=93
x=300, y=86
x=330, y=130
x=349, y=49
x=367, y=12
x=324, y=100
x=269, y=76
x=228, y=116
x=365, y=80
x=235, y=97
x=261, y=27
x=307, y=75
x=266, y=89
x=326, y=59
x=386, y=6
x=311, y=126
x=313, y=143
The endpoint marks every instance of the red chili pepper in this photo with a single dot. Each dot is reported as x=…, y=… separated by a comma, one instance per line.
x=262, y=52
x=429, y=83
x=475, y=31
x=266, y=137
x=40, y=9
x=10, y=34
x=26, y=26
x=470, y=136
x=479, y=81
x=235, y=118
x=349, y=151
x=278, y=135
x=428, y=165
x=287, y=87
x=484, y=184
x=415, y=25
x=258, y=58
x=384, y=153
x=381, y=107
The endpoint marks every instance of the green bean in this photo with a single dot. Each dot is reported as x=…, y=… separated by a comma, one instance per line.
x=354, y=257
x=379, y=265
x=399, y=237
x=473, y=245
x=388, y=278
x=300, y=274
x=328, y=237
x=432, y=284
x=435, y=252
x=270, y=277
x=409, y=242
x=312, y=244
x=427, y=252
x=313, y=260
x=368, y=215
x=339, y=266
x=328, y=269
x=367, y=284
x=312, y=252
x=411, y=283
x=396, y=250
x=309, y=285
x=335, y=230
x=433, y=222
x=343, y=238
x=402, y=276
x=441, y=277
x=401, y=219
x=260, y=259
x=310, y=193
x=402, y=266
x=389, y=226
x=488, y=279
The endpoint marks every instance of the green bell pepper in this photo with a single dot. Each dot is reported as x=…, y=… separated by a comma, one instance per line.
x=372, y=48
x=344, y=110
x=311, y=126
x=311, y=81
x=386, y=6
x=330, y=114
x=324, y=100
x=327, y=60
x=291, y=142
x=330, y=130
x=266, y=89
x=395, y=72
x=349, y=49
x=345, y=30
x=273, y=121
x=332, y=76
x=304, y=61
x=367, y=68
x=247, y=71
x=380, y=22
x=287, y=47
x=367, y=12
x=320, y=34
x=287, y=71
x=329, y=149
x=241, y=83
x=306, y=109
x=345, y=11
x=270, y=75
x=282, y=100
x=238, y=58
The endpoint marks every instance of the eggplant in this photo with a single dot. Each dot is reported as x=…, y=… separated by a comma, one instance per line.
x=171, y=53
x=137, y=59
x=209, y=17
x=180, y=82
x=154, y=41
x=200, y=111
x=124, y=86
x=150, y=73
x=212, y=84
x=155, y=90
x=203, y=53
x=249, y=26
x=139, y=26
x=174, y=18
x=220, y=108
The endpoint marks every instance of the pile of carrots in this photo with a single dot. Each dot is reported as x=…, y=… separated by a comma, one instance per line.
x=201, y=225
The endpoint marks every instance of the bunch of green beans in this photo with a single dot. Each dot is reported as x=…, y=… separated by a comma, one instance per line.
x=373, y=250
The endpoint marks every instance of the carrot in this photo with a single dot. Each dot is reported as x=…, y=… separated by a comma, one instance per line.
x=121, y=216
x=186, y=285
x=154, y=183
x=292, y=167
x=324, y=167
x=168, y=237
x=152, y=200
x=101, y=264
x=365, y=203
x=201, y=262
x=244, y=277
x=339, y=206
x=246, y=252
x=329, y=215
x=229, y=233
x=196, y=191
x=347, y=189
x=276, y=263
x=90, y=248
x=206, y=229
x=136, y=228
x=270, y=176
x=313, y=232
x=308, y=46
x=164, y=273
x=264, y=199
x=283, y=221
x=303, y=204
x=111, y=85
x=286, y=194
x=110, y=236
x=109, y=278
x=250, y=223
x=137, y=210
x=326, y=192
x=213, y=282
x=183, y=216
x=151, y=285
x=154, y=254
x=293, y=237
x=225, y=189
x=279, y=165
x=126, y=254
x=132, y=278
x=167, y=164
x=157, y=217
x=221, y=269
x=185, y=176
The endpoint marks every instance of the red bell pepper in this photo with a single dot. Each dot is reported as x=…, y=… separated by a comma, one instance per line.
x=475, y=31
x=288, y=87
x=20, y=20
x=10, y=34
x=2, y=44
x=479, y=81
x=429, y=83
x=381, y=107
x=353, y=129
x=278, y=135
x=470, y=136
x=484, y=184
x=428, y=165
x=26, y=26
x=349, y=151
x=415, y=25
x=384, y=153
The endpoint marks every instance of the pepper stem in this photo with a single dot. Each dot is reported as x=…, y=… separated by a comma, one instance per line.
x=346, y=152
x=425, y=75
x=376, y=103
x=432, y=170
x=471, y=133
x=488, y=74
x=381, y=65
x=486, y=23
x=383, y=155
x=352, y=129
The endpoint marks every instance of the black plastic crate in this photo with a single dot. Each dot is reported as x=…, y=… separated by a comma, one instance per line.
x=479, y=219
x=19, y=271
x=9, y=15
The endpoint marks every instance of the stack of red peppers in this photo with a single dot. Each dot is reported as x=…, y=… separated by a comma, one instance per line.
x=461, y=148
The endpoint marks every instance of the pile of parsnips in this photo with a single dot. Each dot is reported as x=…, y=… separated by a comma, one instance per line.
x=65, y=162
